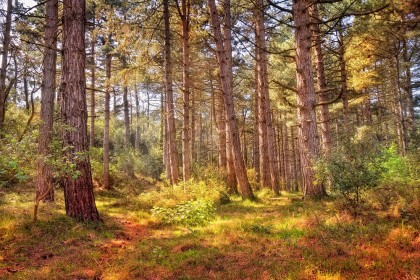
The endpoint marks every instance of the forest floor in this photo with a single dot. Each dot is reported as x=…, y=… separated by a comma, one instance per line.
x=281, y=238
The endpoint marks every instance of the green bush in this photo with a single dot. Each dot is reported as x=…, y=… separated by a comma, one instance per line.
x=168, y=196
x=353, y=167
x=16, y=159
x=188, y=213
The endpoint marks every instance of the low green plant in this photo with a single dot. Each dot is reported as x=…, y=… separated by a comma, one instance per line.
x=16, y=159
x=353, y=166
x=188, y=213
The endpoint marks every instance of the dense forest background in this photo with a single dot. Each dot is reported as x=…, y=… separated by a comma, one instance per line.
x=176, y=108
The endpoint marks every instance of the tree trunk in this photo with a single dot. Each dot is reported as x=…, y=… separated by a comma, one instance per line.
x=92, y=92
x=294, y=161
x=170, y=110
x=78, y=190
x=26, y=90
x=321, y=82
x=343, y=77
x=44, y=179
x=137, y=138
x=107, y=113
x=223, y=55
x=398, y=106
x=186, y=139
x=255, y=136
x=220, y=126
x=127, y=143
x=409, y=90
x=231, y=180
x=5, y=55
x=307, y=134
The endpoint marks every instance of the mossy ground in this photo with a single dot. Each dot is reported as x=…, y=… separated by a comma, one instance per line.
x=281, y=238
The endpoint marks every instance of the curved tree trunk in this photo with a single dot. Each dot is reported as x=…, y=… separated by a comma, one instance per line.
x=44, y=179
x=78, y=187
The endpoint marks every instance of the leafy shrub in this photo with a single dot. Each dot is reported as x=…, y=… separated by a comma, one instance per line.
x=188, y=213
x=353, y=167
x=16, y=159
x=168, y=196
x=399, y=188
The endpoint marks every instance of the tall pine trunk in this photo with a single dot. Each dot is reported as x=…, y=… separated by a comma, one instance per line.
x=78, y=187
x=5, y=55
x=184, y=13
x=92, y=84
x=107, y=114
x=44, y=179
x=170, y=109
x=307, y=133
x=224, y=62
x=321, y=82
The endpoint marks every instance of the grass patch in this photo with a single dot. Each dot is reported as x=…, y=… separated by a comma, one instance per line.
x=271, y=238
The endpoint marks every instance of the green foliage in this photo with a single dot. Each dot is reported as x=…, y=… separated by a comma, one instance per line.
x=168, y=196
x=399, y=184
x=188, y=213
x=16, y=158
x=353, y=167
x=395, y=167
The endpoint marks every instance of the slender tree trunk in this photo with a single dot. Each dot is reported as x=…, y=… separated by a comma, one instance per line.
x=268, y=170
x=26, y=90
x=223, y=55
x=409, y=90
x=137, y=138
x=285, y=148
x=307, y=133
x=93, y=84
x=78, y=190
x=321, y=82
x=231, y=180
x=294, y=161
x=44, y=179
x=127, y=133
x=170, y=110
x=107, y=113
x=220, y=126
x=255, y=136
x=5, y=55
x=398, y=107
x=343, y=77
x=264, y=169
x=184, y=13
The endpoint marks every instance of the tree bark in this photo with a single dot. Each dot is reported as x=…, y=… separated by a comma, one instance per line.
x=343, y=77
x=44, y=179
x=223, y=55
x=409, y=90
x=321, y=82
x=107, y=113
x=78, y=187
x=220, y=127
x=92, y=92
x=170, y=110
x=137, y=122
x=5, y=55
x=307, y=133
x=127, y=133
x=184, y=14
